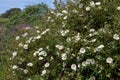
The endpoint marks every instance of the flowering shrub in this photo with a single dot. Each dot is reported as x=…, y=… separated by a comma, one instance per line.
x=79, y=41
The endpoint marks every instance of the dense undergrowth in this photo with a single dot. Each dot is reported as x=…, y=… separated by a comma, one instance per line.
x=78, y=41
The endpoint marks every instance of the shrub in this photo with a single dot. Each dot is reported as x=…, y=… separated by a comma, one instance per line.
x=80, y=41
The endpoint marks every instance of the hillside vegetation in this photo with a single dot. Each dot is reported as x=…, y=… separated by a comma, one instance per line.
x=79, y=40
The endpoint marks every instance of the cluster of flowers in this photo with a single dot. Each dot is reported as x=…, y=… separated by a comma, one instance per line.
x=59, y=50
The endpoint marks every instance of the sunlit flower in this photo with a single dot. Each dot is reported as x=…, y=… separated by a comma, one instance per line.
x=60, y=47
x=92, y=78
x=14, y=54
x=25, y=46
x=20, y=44
x=25, y=71
x=98, y=3
x=109, y=60
x=79, y=65
x=25, y=34
x=94, y=40
x=74, y=11
x=30, y=64
x=44, y=72
x=92, y=30
x=14, y=67
x=64, y=56
x=68, y=39
x=92, y=4
x=36, y=27
x=90, y=61
x=84, y=63
x=87, y=8
x=65, y=17
x=100, y=47
x=118, y=8
x=27, y=28
x=116, y=37
x=43, y=53
x=82, y=50
x=64, y=11
x=38, y=37
x=41, y=58
x=74, y=67
x=47, y=65
x=80, y=5
x=38, y=31
x=17, y=37
x=59, y=14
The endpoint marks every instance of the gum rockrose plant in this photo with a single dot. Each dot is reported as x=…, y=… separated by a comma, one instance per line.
x=78, y=41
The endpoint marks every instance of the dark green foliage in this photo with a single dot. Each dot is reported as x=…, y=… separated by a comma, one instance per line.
x=11, y=12
x=29, y=15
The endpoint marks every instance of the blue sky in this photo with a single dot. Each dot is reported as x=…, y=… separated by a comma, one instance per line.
x=7, y=4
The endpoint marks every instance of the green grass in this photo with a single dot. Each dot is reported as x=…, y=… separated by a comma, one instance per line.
x=3, y=20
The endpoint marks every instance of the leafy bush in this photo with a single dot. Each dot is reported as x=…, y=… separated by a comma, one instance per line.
x=79, y=41
x=29, y=15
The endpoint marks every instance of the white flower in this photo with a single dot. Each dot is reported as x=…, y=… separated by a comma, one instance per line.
x=64, y=56
x=40, y=58
x=59, y=14
x=38, y=31
x=47, y=65
x=43, y=53
x=118, y=8
x=82, y=50
x=25, y=34
x=30, y=64
x=64, y=11
x=92, y=78
x=25, y=71
x=68, y=39
x=44, y=72
x=27, y=28
x=47, y=30
x=84, y=63
x=78, y=65
x=17, y=37
x=80, y=5
x=40, y=49
x=116, y=37
x=14, y=67
x=77, y=37
x=92, y=30
x=87, y=8
x=35, y=53
x=94, y=40
x=20, y=44
x=74, y=67
x=36, y=27
x=38, y=37
x=60, y=47
x=74, y=11
x=65, y=17
x=90, y=35
x=98, y=3
x=25, y=46
x=109, y=60
x=100, y=47
x=90, y=61
x=92, y=4
x=63, y=33
x=14, y=54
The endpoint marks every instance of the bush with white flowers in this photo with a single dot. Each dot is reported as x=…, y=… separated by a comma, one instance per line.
x=79, y=41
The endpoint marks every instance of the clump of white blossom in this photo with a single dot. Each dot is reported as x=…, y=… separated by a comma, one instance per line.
x=70, y=44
